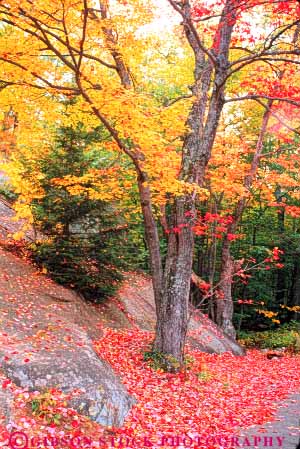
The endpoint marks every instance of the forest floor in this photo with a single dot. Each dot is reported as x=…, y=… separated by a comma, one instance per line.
x=220, y=401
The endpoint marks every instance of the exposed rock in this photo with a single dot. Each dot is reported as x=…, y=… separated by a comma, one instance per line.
x=134, y=306
x=207, y=336
x=8, y=226
x=45, y=343
x=102, y=397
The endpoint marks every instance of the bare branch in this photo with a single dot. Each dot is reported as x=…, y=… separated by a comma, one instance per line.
x=267, y=97
x=67, y=36
x=84, y=27
x=289, y=61
x=175, y=100
x=4, y=84
x=188, y=24
x=290, y=128
x=279, y=33
x=259, y=55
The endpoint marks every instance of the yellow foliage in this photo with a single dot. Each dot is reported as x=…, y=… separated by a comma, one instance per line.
x=269, y=314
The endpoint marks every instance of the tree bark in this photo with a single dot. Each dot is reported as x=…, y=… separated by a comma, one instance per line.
x=172, y=313
x=224, y=308
x=151, y=233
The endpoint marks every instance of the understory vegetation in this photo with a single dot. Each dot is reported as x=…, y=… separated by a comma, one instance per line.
x=286, y=337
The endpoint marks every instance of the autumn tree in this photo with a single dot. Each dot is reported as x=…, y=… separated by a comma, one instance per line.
x=94, y=50
x=272, y=120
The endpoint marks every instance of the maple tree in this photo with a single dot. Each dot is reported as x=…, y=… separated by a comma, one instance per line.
x=224, y=308
x=252, y=181
x=94, y=53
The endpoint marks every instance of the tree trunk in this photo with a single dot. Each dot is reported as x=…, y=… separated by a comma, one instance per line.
x=281, y=283
x=224, y=305
x=171, y=283
x=172, y=313
x=210, y=72
x=151, y=233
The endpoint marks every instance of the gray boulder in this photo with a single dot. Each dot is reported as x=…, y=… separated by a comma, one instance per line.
x=135, y=304
x=46, y=343
x=102, y=397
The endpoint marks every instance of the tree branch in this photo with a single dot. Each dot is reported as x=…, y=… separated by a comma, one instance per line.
x=175, y=100
x=37, y=76
x=294, y=130
x=84, y=28
x=58, y=38
x=188, y=23
x=267, y=97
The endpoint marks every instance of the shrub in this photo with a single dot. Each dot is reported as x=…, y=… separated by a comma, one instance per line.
x=83, y=264
x=287, y=336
